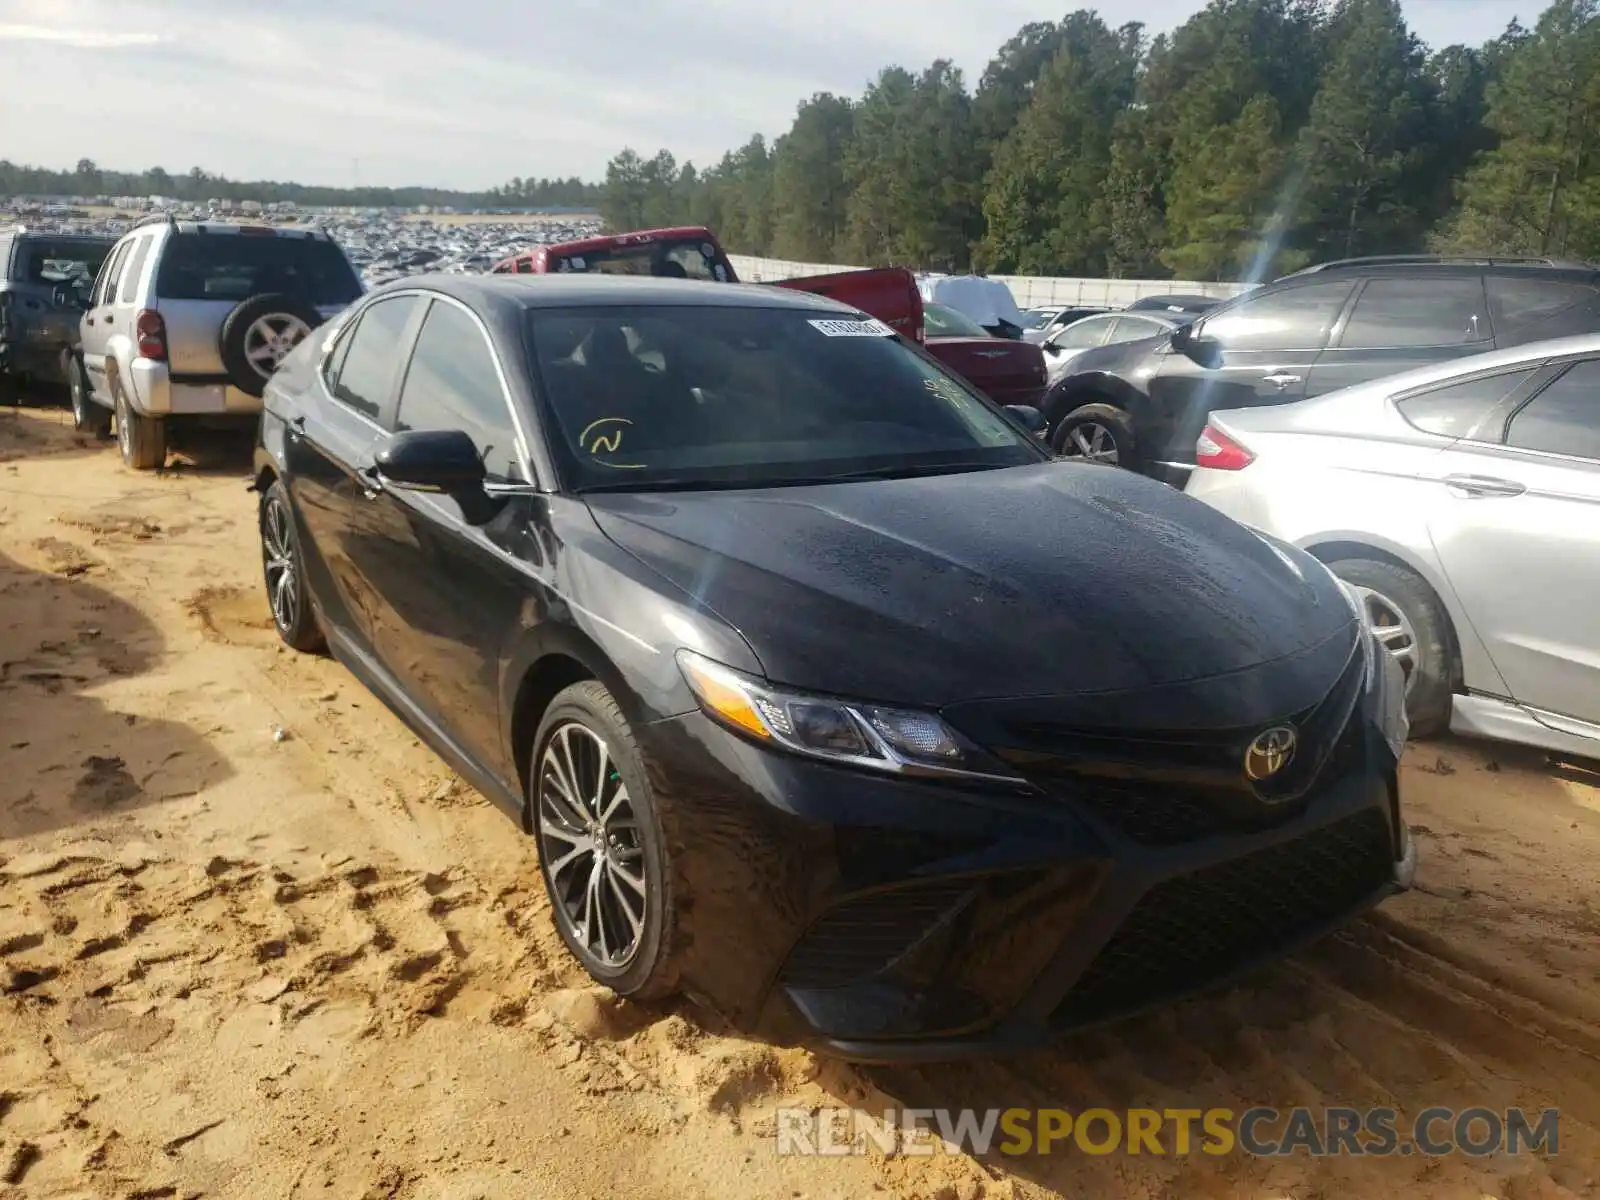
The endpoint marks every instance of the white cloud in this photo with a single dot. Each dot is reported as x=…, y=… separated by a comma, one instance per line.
x=83, y=39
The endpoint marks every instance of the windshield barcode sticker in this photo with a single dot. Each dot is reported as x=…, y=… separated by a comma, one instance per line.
x=871, y=327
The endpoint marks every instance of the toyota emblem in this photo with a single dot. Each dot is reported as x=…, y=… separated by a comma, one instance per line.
x=1270, y=753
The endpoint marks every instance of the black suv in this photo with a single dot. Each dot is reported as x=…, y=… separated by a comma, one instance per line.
x=44, y=280
x=1143, y=404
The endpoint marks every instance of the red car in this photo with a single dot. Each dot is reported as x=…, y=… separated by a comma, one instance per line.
x=1007, y=372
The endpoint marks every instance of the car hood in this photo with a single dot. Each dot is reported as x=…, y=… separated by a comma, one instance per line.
x=1054, y=579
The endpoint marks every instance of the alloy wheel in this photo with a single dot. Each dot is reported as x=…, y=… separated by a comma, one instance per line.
x=590, y=843
x=277, y=551
x=1389, y=625
x=1091, y=440
x=270, y=338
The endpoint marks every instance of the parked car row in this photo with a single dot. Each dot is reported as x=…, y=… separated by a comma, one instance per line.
x=1314, y=332
x=734, y=599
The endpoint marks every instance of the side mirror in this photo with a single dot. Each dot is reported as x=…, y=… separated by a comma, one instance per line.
x=1051, y=349
x=1029, y=418
x=444, y=462
x=1203, y=350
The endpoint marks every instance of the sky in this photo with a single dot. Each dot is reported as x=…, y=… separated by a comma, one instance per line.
x=470, y=93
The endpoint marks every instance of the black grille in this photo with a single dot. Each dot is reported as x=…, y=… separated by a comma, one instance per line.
x=1154, y=814
x=1205, y=792
x=1197, y=927
x=861, y=937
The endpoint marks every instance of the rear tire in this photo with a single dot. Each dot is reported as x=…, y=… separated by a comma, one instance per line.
x=142, y=440
x=1411, y=624
x=1097, y=433
x=598, y=848
x=283, y=568
x=87, y=416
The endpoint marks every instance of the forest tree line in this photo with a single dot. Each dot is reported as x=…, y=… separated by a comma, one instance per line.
x=1258, y=137
x=196, y=186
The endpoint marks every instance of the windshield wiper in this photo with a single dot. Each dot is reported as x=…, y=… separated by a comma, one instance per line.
x=901, y=472
x=670, y=485
x=710, y=485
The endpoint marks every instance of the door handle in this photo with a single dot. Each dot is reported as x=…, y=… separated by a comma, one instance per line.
x=371, y=482
x=1281, y=381
x=1483, y=486
x=88, y=320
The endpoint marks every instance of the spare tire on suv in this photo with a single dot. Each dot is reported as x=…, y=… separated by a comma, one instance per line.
x=259, y=333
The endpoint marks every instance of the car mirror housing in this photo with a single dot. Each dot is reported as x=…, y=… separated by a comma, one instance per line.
x=440, y=461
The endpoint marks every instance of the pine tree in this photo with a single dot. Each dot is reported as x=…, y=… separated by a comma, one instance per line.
x=1538, y=191
x=808, y=185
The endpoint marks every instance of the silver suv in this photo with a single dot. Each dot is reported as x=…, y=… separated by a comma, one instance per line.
x=190, y=319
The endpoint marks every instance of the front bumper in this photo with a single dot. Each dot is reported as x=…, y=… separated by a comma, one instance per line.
x=880, y=919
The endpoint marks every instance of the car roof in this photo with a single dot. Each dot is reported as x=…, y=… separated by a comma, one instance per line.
x=40, y=235
x=607, y=291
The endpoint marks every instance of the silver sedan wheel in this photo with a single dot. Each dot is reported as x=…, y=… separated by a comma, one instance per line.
x=1389, y=624
x=590, y=842
x=270, y=338
x=277, y=550
x=1092, y=441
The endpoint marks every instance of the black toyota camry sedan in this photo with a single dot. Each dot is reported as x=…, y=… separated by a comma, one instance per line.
x=829, y=699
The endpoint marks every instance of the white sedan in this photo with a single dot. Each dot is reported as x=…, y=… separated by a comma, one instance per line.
x=1461, y=502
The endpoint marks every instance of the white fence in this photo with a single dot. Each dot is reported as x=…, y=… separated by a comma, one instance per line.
x=1029, y=291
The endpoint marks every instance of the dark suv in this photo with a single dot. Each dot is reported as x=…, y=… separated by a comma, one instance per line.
x=44, y=281
x=1143, y=404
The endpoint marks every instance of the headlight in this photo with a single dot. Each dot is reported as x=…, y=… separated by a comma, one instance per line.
x=894, y=740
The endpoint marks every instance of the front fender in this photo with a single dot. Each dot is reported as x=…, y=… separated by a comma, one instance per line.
x=1088, y=387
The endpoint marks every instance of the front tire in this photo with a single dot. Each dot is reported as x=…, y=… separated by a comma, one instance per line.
x=606, y=863
x=282, y=565
x=1100, y=433
x=142, y=440
x=87, y=416
x=1411, y=625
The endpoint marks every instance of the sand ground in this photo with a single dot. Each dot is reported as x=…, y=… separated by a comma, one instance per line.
x=256, y=941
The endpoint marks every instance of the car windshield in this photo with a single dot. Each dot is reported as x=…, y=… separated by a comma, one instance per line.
x=235, y=266
x=942, y=321
x=693, y=258
x=659, y=397
x=1035, y=320
x=64, y=261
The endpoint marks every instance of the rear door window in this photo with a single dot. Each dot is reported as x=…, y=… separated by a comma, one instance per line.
x=1406, y=313
x=1131, y=329
x=106, y=285
x=1080, y=335
x=366, y=376
x=235, y=266
x=1460, y=410
x=1564, y=418
x=130, y=277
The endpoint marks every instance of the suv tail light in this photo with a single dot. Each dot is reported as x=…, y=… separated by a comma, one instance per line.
x=1219, y=452
x=152, y=334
